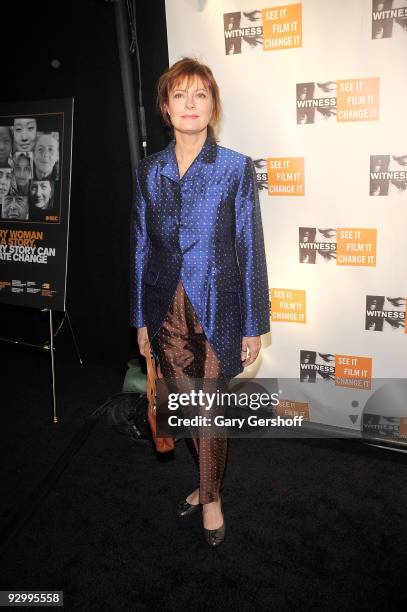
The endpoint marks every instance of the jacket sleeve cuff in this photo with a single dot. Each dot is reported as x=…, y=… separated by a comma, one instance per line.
x=256, y=332
x=138, y=323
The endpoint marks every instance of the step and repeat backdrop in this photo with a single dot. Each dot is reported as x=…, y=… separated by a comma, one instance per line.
x=315, y=92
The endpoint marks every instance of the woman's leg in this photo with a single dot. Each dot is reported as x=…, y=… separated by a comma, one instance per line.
x=172, y=346
x=211, y=450
x=184, y=352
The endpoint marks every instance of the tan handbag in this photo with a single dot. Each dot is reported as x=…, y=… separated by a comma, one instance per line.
x=162, y=445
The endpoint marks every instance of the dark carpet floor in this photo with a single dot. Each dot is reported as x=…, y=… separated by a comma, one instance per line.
x=311, y=524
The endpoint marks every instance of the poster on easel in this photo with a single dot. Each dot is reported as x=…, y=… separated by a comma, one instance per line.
x=35, y=185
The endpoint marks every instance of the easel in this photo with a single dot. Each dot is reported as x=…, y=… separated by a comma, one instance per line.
x=48, y=345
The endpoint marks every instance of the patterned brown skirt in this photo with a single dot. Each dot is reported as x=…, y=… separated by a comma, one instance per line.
x=183, y=351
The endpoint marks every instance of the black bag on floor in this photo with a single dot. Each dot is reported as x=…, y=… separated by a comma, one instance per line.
x=127, y=414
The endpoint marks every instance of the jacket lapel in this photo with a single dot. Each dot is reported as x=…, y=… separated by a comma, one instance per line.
x=169, y=165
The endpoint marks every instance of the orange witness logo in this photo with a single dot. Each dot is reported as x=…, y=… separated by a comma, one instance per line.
x=358, y=99
x=343, y=370
x=352, y=246
x=282, y=27
x=288, y=305
x=356, y=247
x=290, y=409
x=285, y=176
x=352, y=371
x=347, y=99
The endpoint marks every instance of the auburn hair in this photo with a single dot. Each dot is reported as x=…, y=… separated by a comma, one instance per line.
x=188, y=68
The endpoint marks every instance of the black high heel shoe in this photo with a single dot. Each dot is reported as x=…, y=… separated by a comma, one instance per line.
x=186, y=509
x=214, y=537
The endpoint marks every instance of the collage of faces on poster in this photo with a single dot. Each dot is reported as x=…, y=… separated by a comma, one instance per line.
x=29, y=168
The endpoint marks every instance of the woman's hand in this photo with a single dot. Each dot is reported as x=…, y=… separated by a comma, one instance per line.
x=251, y=346
x=143, y=341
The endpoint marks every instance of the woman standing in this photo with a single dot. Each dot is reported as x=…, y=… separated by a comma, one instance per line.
x=199, y=277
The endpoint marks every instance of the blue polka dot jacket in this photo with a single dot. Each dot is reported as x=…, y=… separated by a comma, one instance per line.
x=205, y=229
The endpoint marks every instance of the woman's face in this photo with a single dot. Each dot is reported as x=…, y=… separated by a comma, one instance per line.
x=40, y=193
x=190, y=107
x=25, y=133
x=5, y=181
x=15, y=207
x=22, y=171
x=45, y=153
x=5, y=145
